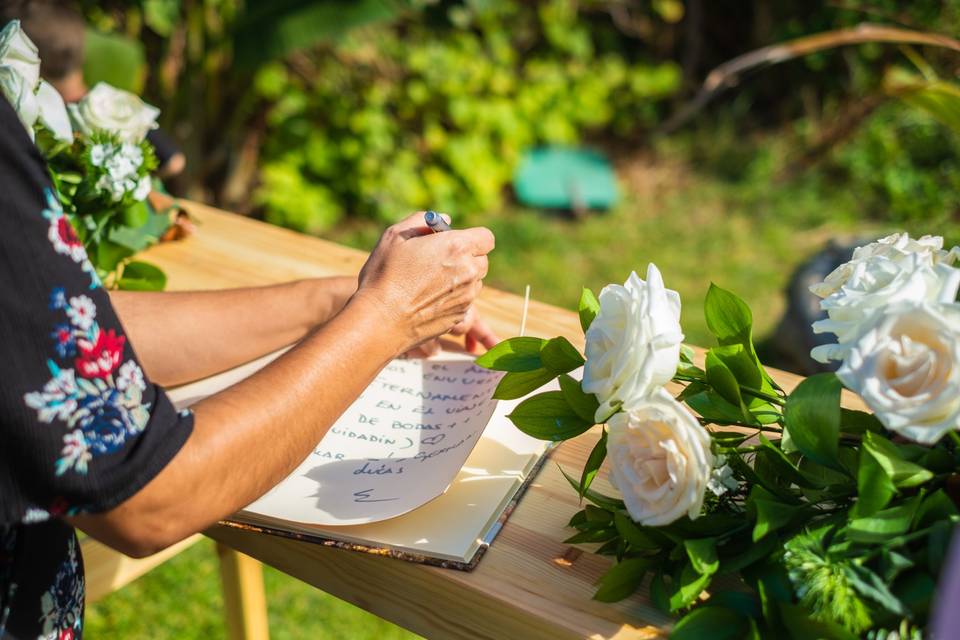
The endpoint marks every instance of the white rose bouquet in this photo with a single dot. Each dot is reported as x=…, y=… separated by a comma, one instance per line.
x=99, y=159
x=823, y=521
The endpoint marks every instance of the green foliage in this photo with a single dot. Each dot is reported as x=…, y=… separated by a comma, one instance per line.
x=903, y=166
x=548, y=416
x=587, y=308
x=834, y=529
x=114, y=59
x=812, y=416
x=111, y=225
x=412, y=115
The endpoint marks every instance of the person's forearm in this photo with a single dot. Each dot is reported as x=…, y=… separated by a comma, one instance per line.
x=183, y=336
x=250, y=436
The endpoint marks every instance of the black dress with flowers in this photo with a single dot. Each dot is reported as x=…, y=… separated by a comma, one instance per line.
x=81, y=428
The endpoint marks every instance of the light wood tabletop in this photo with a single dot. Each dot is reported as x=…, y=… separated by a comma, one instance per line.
x=529, y=584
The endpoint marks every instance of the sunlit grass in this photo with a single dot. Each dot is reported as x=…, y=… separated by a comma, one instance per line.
x=181, y=600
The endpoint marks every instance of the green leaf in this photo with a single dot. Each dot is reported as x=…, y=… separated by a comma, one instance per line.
x=874, y=486
x=858, y=422
x=688, y=588
x=592, y=466
x=703, y=554
x=578, y=519
x=712, y=407
x=935, y=507
x=596, y=498
x=560, y=356
x=514, y=355
x=713, y=622
x=771, y=513
x=783, y=466
x=884, y=524
x=584, y=405
x=754, y=552
x=596, y=515
x=108, y=255
x=517, y=385
x=746, y=604
x=588, y=308
x=888, y=456
x=916, y=590
x=622, y=579
x=636, y=536
x=745, y=369
x=136, y=215
x=869, y=585
x=603, y=534
x=658, y=592
x=801, y=626
x=547, y=416
x=728, y=317
x=721, y=378
x=812, y=416
x=142, y=276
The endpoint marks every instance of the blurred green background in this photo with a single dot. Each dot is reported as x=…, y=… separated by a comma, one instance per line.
x=336, y=118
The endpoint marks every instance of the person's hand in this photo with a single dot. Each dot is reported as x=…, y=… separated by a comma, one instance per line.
x=472, y=327
x=425, y=283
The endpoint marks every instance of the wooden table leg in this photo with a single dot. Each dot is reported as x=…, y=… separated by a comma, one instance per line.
x=244, y=601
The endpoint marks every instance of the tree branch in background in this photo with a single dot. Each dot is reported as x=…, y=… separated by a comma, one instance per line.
x=846, y=124
x=728, y=74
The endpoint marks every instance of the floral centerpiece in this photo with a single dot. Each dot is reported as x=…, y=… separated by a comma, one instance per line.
x=99, y=162
x=751, y=510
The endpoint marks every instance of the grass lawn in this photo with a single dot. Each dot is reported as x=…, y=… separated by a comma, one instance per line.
x=746, y=235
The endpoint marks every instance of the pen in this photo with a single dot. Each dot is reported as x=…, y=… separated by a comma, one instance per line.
x=435, y=221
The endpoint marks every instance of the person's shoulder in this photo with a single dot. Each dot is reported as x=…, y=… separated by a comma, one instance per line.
x=15, y=143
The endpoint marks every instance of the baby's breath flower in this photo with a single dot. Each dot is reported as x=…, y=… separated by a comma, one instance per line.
x=722, y=478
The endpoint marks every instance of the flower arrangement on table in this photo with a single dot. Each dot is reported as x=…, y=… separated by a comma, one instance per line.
x=99, y=161
x=753, y=511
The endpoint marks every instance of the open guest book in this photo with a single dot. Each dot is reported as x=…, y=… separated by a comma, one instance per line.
x=424, y=466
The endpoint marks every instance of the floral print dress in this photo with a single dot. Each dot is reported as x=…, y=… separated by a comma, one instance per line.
x=81, y=428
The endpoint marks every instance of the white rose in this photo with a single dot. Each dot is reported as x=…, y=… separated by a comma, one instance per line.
x=869, y=284
x=18, y=52
x=31, y=97
x=20, y=96
x=106, y=108
x=897, y=247
x=53, y=112
x=633, y=345
x=660, y=459
x=906, y=367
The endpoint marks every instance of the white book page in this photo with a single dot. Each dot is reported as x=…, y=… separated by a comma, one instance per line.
x=397, y=447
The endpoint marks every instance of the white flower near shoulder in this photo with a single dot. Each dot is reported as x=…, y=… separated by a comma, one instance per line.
x=108, y=109
x=633, y=345
x=82, y=311
x=20, y=83
x=660, y=459
x=906, y=367
x=18, y=52
x=895, y=269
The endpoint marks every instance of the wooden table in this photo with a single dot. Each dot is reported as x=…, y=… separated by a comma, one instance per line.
x=529, y=584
